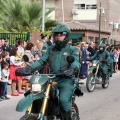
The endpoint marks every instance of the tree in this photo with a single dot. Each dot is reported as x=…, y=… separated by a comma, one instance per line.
x=22, y=15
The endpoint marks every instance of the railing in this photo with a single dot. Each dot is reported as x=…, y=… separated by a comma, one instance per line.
x=12, y=37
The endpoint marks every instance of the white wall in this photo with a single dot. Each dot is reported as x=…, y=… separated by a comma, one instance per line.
x=86, y=15
x=85, y=1
x=51, y=4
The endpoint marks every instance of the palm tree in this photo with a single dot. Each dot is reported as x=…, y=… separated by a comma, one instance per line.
x=22, y=15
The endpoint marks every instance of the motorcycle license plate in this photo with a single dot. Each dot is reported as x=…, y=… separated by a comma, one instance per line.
x=36, y=87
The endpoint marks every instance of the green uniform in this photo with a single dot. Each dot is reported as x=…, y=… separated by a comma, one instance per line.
x=102, y=56
x=45, y=46
x=57, y=59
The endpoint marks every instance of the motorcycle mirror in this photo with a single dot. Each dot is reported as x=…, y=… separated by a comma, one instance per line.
x=70, y=59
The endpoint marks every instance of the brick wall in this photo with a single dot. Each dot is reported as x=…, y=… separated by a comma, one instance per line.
x=34, y=36
x=68, y=6
x=112, y=13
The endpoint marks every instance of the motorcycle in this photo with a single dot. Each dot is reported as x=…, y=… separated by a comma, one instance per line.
x=96, y=77
x=41, y=102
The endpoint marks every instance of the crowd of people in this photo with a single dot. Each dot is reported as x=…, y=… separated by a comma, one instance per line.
x=89, y=50
x=14, y=56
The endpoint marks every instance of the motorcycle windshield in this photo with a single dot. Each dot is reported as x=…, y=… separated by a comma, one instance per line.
x=41, y=79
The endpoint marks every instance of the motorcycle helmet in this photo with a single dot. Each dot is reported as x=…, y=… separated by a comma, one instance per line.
x=102, y=47
x=61, y=29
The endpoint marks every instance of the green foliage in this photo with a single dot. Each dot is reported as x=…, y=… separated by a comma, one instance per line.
x=23, y=16
x=49, y=23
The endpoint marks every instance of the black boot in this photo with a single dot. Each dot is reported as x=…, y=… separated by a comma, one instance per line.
x=104, y=78
x=66, y=115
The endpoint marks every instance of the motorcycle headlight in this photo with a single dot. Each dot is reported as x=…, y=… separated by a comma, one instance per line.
x=36, y=87
x=94, y=64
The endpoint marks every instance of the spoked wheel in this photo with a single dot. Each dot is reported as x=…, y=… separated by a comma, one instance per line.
x=90, y=84
x=29, y=117
x=106, y=82
x=58, y=117
x=74, y=112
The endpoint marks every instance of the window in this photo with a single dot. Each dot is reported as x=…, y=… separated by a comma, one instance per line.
x=79, y=6
x=83, y=6
x=91, y=6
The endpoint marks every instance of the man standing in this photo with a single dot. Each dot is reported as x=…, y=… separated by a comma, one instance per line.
x=45, y=45
x=84, y=65
x=50, y=42
x=6, y=46
x=91, y=48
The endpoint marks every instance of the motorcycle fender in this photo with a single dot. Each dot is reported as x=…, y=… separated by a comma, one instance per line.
x=92, y=68
x=24, y=103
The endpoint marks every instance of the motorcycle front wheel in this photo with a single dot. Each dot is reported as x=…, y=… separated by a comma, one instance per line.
x=29, y=117
x=74, y=112
x=59, y=117
x=90, y=84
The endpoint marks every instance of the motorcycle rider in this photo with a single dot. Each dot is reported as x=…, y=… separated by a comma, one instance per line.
x=103, y=56
x=56, y=56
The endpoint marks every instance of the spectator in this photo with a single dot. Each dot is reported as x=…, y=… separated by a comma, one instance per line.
x=34, y=48
x=38, y=50
x=24, y=44
x=26, y=80
x=1, y=46
x=84, y=65
x=91, y=48
x=116, y=57
x=20, y=48
x=6, y=46
x=0, y=75
x=16, y=42
x=70, y=42
x=5, y=58
x=119, y=59
x=44, y=40
x=3, y=41
x=78, y=46
x=28, y=52
x=4, y=81
x=50, y=41
x=14, y=64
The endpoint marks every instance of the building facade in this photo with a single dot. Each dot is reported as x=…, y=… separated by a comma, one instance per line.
x=88, y=13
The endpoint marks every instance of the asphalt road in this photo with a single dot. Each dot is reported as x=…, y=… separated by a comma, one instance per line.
x=102, y=104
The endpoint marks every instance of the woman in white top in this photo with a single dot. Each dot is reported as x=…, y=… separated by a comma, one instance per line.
x=15, y=62
x=20, y=47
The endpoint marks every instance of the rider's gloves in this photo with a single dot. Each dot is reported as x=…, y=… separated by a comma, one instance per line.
x=25, y=71
x=88, y=59
x=69, y=72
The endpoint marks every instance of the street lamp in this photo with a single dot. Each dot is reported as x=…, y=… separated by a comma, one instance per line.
x=101, y=12
x=43, y=15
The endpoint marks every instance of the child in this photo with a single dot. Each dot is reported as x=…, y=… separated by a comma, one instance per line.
x=5, y=58
x=4, y=81
x=26, y=80
x=0, y=75
x=15, y=62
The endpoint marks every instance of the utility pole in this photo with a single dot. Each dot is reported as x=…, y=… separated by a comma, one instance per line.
x=43, y=15
x=99, y=22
